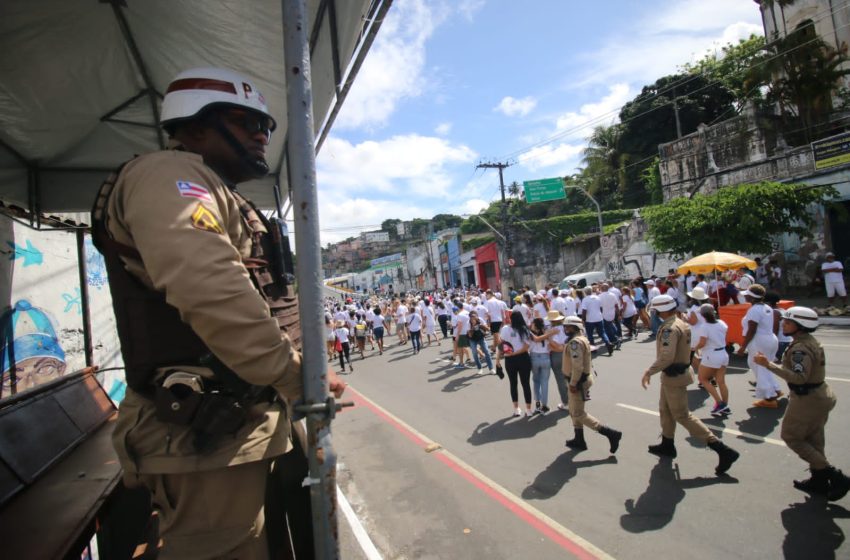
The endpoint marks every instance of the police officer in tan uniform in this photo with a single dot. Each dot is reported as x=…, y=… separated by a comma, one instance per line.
x=577, y=370
x=198, y=317
x=804, y=368
x=673, y=351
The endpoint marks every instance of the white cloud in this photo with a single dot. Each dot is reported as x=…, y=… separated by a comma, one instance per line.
x=564, y=156
x=681, y=32
x=443, y=128
x=589, y=115
x=394, y=66
x=468, y=8
x=516, y=107
x=474, y=206
x=406, y=166
x=338, y=212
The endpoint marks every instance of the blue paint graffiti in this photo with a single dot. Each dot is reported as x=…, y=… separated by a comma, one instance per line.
x=30, y=353
x=95, y=266
x=73, y=302
x=30, y=254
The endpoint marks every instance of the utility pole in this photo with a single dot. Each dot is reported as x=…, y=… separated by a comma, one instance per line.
x=676, y=113
x=506, y=233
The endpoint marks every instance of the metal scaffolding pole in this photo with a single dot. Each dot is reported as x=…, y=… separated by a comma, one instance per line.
x=318, y=407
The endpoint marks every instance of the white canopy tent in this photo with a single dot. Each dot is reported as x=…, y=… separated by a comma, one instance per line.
x=81, y=82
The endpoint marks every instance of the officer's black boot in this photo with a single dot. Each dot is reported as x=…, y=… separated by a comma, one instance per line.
x=609, y=347
x=578, y=441
x=726, y=454
x=613, y=437
x=839, y=484
x=817, y=484
x=664, y=449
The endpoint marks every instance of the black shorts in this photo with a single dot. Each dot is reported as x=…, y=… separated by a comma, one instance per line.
x=495, y=327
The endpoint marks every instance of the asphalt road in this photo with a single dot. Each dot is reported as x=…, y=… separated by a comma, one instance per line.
x=504, y=487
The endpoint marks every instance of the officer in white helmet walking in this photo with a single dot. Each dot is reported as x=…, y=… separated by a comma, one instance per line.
x=804, y=368
x=673, y=351
x=205, y=317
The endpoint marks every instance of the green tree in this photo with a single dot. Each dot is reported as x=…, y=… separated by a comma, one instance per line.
x=732, y=66
x=651, y=177
x=604, y=165
x=743, y=218
x=391, y=227
x=801, y=75
x=649, y=120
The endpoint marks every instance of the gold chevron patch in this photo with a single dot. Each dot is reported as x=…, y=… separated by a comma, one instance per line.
x=205, y=220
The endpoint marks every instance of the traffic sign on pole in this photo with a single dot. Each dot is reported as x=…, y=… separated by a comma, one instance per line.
x=543, y=190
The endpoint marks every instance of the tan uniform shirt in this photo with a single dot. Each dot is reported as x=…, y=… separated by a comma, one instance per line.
x=576, y=361
x=673, y=346
x=803, y=362
x=186, y=225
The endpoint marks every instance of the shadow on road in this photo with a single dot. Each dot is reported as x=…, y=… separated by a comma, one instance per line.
x=762, y=421
x=514, y=428
x=549, y=482
x=811, y=529
x=697, y=398
x=655, y=508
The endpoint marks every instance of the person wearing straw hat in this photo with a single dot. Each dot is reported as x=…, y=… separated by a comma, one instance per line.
x=556, y=341
x=759, y=323
x=673, y=348
x=577, y=370
x=804, y=368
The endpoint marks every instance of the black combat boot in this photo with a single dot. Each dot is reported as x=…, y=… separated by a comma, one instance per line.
x=610, y=348
x=613, y=437
x=578, y=441
x=817, y=484
x=726, y=454
x=839, y=484
x=664, y=449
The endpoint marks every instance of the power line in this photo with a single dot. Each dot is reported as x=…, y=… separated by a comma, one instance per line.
x=669, y=87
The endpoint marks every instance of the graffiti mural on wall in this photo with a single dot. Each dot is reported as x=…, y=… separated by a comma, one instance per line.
x=95, y=266
x=29, y=254
x=31, y=353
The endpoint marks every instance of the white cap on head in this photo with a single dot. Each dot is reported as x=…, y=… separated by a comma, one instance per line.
x=650, y=282
x=664, y=303
x=830, y=254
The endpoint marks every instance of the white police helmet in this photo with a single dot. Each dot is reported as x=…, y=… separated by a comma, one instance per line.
x=803, y=316
x=191, y=91
x=664, y=303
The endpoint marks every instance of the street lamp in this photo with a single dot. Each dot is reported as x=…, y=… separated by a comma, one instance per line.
x=598, y=209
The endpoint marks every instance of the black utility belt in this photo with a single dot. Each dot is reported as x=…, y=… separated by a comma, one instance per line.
x=803, y=389
x=676, y=369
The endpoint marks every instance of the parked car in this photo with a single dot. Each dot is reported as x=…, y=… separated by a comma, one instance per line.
x=581, y=280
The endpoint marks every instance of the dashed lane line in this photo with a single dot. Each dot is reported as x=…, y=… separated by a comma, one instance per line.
x=729, y=431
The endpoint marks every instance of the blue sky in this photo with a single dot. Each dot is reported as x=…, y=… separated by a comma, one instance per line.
x=450, y=83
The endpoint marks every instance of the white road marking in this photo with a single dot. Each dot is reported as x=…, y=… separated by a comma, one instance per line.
x=730, y=431
x=360, y=533
x=838, y=379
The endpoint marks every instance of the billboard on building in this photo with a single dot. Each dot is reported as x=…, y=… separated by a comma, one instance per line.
x=832, y=151
x=383, y=261
x=401, y=229
x=375, y=236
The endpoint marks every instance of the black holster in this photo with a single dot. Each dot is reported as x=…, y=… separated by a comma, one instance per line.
x=802, y=389
x=674, y=370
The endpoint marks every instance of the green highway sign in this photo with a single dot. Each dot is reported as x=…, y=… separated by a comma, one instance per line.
x=544, y=189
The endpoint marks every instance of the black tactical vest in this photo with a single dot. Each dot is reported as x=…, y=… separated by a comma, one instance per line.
x=150, y=330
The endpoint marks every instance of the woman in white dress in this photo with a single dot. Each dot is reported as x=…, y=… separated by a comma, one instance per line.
x=759, y=326
x=696, y=298
x=430, y=323
x=712, y=347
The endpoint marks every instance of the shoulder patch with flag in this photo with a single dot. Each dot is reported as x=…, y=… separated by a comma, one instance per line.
x=193, y=190
x=204, y=219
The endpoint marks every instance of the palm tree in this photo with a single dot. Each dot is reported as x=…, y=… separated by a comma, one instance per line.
x=604, y=164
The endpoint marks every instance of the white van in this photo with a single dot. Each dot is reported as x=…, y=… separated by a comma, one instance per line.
x=581, y=280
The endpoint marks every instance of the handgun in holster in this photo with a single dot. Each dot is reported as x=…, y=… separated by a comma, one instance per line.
x=580, y=386
x=674, y=370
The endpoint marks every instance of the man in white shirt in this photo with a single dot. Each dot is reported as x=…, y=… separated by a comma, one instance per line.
x=654, y=320
x=591, y=314
x=495, y=311
x=462, y=333
x=745, y=280
x=401, y=322
x=610, y=311
x=833, y=278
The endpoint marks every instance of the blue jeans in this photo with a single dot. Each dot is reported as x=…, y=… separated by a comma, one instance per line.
x=473, y=347
x=654, y=323
x=611, y=331
x=540, y=369
x=599, y=328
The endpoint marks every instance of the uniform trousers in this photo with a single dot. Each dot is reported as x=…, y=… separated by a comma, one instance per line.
x=803, y=425
x=555, y=361
x=579, y=416
x=673, y=408
x=202, y=515
x=766, y=384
